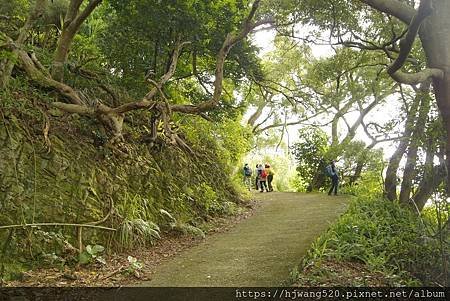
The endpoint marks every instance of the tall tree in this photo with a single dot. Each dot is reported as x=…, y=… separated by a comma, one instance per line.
x=430, y=23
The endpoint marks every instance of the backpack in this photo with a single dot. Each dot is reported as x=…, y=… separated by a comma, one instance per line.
x=247, y=171
x=329, y=171
x=263, y=174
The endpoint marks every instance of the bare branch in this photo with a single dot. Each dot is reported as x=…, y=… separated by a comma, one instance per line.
x=57, y=224
x=275, y=125
x=74, y=108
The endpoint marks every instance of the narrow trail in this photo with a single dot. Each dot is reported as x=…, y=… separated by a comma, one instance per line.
x=259, y=251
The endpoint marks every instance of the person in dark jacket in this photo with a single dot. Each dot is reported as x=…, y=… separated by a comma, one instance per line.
x=247, y=173
x=257, y=177
x=333, y=174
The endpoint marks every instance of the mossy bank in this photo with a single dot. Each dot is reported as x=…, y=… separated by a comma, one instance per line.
x=58, y=168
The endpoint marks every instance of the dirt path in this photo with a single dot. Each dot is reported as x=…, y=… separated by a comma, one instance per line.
x=259, y=251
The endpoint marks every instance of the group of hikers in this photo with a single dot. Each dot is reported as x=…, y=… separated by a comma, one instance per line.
x=263, y=179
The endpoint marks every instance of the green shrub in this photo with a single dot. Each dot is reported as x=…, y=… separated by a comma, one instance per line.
x=382, y=235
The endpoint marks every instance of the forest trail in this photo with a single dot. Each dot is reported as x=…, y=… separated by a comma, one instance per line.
x=259, y=251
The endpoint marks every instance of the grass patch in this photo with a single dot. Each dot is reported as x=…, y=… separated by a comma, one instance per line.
x=375, y=243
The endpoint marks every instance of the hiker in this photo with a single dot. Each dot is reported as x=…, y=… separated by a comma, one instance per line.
x=270, y=174
x=247, y=176
x=257, y=177
x=332, y=172
x=262, y=177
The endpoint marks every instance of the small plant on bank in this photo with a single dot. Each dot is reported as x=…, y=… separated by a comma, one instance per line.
x=91, y=254
x=134, y=267
x=176, y=225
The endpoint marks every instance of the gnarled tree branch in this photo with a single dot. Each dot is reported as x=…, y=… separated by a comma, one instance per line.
x=418, y=77
x=425, y=9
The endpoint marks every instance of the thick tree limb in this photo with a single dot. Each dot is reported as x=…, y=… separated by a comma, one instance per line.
x=406, y=44
x=72, y=22
x=42, y=79
x=259, y=109
x=395, y=8
x=74, y=108
x=418, y=77
x=81, y=17
x=425, y=9
x=229, y=42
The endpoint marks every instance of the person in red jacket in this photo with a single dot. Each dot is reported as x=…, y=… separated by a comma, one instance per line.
x=262, y=178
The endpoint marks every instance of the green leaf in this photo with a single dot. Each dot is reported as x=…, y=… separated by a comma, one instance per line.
x=84, y=257
x=97, y=249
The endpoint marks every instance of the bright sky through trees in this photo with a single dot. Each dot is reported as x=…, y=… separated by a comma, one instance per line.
x=264, y=39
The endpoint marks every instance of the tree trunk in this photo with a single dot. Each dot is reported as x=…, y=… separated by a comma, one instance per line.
x=357, y=173
x=442, y=92
x=411, y=159
x=432, y=178
x=61, y=53
x=435, y=37
x=334, y=132
x=72, y=23
x=390, y=182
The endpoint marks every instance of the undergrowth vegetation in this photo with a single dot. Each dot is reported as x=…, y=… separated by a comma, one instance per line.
x=377, y=243
x=56, y=168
